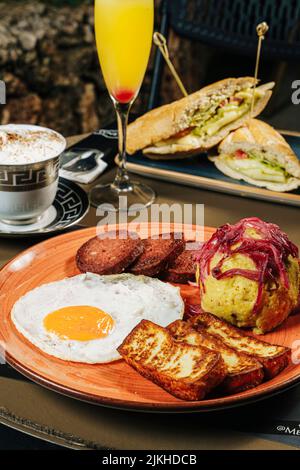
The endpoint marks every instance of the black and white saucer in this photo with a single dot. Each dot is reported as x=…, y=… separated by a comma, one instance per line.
x=70, y=206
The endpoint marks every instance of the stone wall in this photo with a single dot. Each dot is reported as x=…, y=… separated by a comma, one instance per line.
x=49, y=63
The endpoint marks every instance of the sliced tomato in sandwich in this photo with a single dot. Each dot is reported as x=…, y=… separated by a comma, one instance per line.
x=241, y=154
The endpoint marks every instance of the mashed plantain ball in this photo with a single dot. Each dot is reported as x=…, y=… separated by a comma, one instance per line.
x=241, y=278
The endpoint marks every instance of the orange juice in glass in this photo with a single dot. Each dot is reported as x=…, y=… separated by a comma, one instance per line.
x=124, y=30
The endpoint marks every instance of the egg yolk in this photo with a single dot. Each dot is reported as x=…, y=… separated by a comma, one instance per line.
x=80, y=323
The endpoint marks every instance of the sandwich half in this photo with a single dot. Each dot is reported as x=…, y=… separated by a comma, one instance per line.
x=259, y=155
x=198, y=121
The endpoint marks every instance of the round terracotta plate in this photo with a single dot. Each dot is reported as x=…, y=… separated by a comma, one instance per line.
x=114, y=384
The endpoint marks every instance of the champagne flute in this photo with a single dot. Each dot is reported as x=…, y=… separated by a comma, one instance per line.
x=124, y=30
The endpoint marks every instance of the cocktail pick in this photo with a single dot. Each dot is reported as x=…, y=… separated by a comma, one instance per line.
x=261, y=30
x=161, y=42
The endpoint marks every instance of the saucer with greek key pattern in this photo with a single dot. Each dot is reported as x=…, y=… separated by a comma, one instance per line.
x=70, y=206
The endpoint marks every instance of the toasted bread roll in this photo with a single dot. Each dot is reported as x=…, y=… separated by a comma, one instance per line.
x=198, y=121
x=259, y=155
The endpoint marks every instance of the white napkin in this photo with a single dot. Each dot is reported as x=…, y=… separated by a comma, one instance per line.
x=87, y=176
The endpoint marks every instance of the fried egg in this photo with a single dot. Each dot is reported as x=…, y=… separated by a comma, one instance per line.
x=86, y=317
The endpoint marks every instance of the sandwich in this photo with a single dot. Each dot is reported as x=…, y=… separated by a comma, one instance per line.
x=199, y=121
x=259, y=155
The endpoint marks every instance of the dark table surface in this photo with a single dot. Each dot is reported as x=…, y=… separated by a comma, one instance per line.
x=10, y=439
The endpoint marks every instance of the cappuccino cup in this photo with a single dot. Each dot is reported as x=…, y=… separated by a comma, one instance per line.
x=29, y=171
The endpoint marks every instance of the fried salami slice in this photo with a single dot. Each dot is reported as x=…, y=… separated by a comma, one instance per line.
x=158, y=254
x=183, y=268
x=110, y=255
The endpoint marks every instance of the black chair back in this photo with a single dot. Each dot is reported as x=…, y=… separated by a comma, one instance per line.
x=231, y=25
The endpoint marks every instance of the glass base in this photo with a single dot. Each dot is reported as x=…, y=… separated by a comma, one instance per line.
x=19, y=222
x=135, y=197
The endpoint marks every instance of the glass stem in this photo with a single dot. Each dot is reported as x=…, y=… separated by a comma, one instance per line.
x=121, y=182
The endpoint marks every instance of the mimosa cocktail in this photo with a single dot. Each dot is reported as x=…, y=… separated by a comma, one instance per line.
x=123, y=34
x=124, y=30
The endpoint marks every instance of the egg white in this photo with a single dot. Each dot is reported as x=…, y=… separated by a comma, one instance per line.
x=128, y=299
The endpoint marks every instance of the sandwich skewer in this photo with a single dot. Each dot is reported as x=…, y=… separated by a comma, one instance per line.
x=261, y=29
x=161, y=42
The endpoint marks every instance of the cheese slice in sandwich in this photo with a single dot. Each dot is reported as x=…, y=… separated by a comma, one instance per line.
x=259, y=155
x=198, y=121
